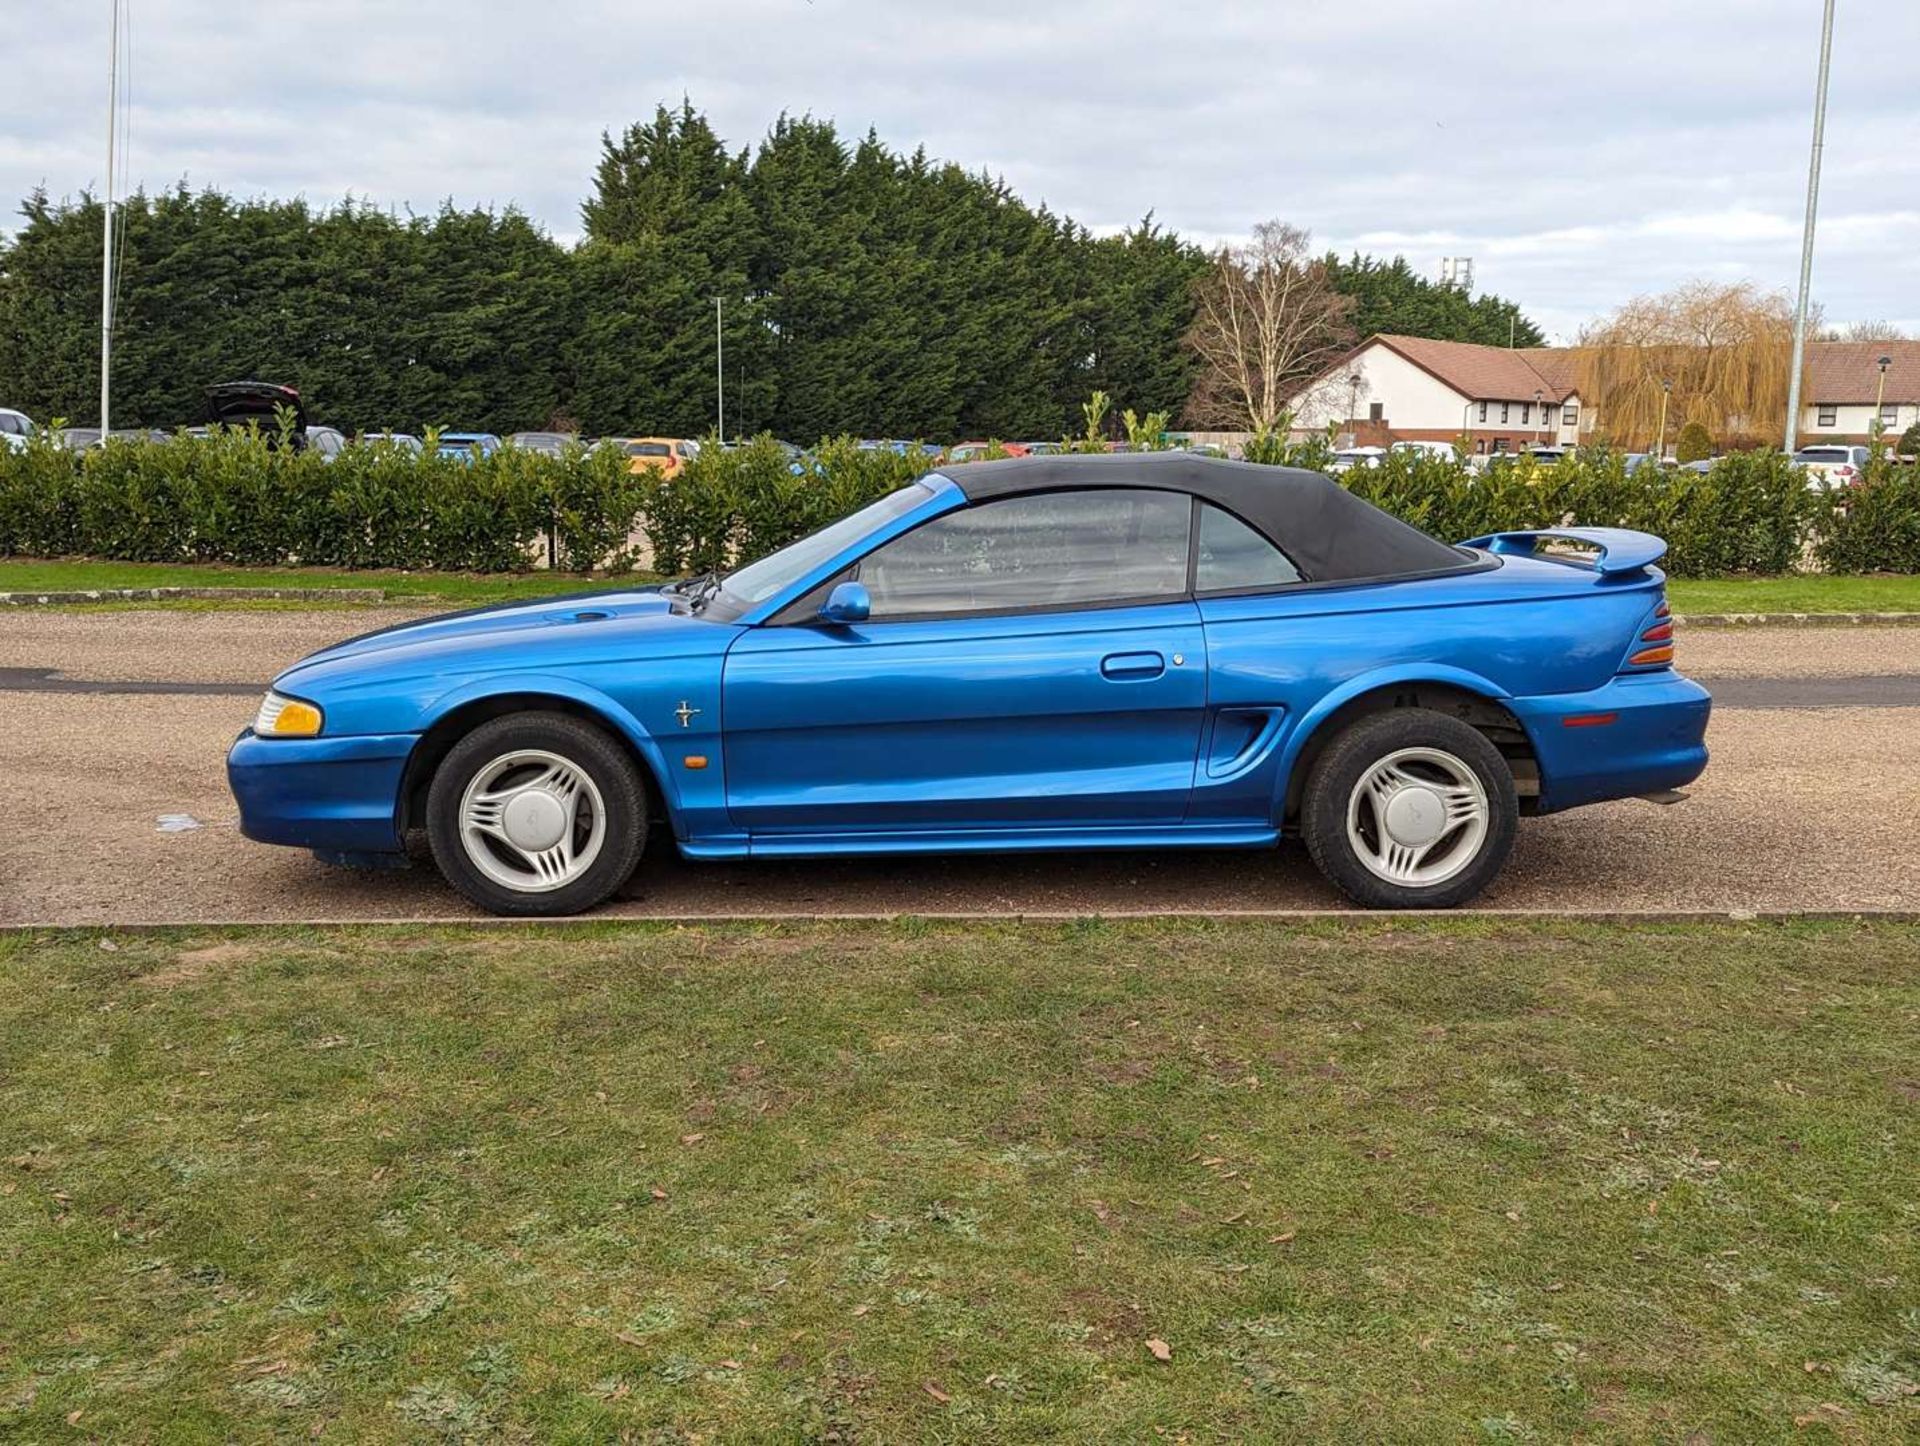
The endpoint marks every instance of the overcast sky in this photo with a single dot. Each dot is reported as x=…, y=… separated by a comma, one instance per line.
x=1580, y=154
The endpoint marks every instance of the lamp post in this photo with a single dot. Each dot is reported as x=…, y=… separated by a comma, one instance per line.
x=1539, y=417
x=1466, y=434
x=106, y=226
x=1879, y=401
x=1660, y=447
x=1353, y=405
x=719, y=374
x=1806, y=238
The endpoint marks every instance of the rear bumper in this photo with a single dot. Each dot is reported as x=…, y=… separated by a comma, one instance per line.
x=1638, y=734
x=339, y=795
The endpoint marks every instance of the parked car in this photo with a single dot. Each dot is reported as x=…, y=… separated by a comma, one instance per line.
x=1080, y=652
x=1042, y=449
x=1443, y=450
x=1547, y=456
x=665, y=455
x=970, y=451
x=1348, y=458
x=548, y=444
x=467, y=445
x=78, y=439
x=15, y=428
x=405, y=441
x=261, y=404
x=1830, y=466
x=329, y=442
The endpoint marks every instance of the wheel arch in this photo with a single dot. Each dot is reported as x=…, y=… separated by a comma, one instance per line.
x=1453, y=691
x=459, y=713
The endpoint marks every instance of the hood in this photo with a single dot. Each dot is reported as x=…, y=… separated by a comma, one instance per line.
x=503, y=622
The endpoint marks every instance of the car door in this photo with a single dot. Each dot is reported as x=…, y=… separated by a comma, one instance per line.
x=1032, y=662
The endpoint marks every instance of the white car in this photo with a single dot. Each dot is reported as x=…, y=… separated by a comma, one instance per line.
x=1832, y=466
x=1445, y=451
x=1347, y=458
x=15, y=428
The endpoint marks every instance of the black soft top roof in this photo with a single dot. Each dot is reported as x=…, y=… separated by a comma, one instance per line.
x=1330, y=534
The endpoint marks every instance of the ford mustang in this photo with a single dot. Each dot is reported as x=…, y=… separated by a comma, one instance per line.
x=1065, y=652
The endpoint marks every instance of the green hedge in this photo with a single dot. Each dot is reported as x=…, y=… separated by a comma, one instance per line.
x=1875, y=527
x=231, y=498
x=729, y=505
x=1752, y=513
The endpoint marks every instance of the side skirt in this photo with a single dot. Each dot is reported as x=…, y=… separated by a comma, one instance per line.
x=967, y=841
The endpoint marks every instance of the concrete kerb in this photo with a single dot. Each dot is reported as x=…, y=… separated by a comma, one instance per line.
x=1645, y=917
x=209, y=594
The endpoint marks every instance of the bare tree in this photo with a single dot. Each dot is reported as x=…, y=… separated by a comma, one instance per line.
x=1873, y=331
x=1266, y=322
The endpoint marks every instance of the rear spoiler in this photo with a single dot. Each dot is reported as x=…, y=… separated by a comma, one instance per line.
x=1621, y=549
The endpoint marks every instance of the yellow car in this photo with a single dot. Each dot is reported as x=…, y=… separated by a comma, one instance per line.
x=665, y=455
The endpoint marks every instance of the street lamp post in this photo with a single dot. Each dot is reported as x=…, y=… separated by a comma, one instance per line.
x=106, y=225
x=1880, y=401
x=1660, y=447
x=1539, y=417
x=719, y=373
x=1806, y=238
x=1353, y=405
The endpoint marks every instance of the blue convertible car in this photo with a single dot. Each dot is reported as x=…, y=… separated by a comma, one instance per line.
x=1044, y=653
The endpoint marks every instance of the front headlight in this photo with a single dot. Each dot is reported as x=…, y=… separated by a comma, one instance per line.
x=283, y=717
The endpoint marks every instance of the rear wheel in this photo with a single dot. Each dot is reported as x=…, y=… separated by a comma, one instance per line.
x=1410, y=809
x=536, y=814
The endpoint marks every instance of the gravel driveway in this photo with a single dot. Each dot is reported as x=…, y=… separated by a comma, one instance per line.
x=1803, y=807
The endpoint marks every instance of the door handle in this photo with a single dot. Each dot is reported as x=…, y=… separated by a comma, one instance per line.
x=1132, y=667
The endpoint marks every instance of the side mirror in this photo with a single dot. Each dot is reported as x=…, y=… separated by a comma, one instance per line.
x=847, y=603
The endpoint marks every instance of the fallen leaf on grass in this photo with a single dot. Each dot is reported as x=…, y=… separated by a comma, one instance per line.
x=729, y=1365
x=1160, y=1349
x=934, y=1391
x=692, y=1139
x=1235, y=1218
x=1285, y=1237
x=861, y=1309
x=657, y=1193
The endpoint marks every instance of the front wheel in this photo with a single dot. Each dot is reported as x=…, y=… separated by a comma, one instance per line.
x=536, y=814
x=1410, y=809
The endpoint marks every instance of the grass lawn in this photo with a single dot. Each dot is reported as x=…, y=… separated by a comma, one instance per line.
x=463, y=588
x=1797, y=594
x=1448, y=1181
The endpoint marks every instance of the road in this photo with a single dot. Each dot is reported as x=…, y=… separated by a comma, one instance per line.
x=114, y=724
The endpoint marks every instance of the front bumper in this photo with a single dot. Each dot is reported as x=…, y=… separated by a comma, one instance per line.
x=338, y=795
x=1640, y=733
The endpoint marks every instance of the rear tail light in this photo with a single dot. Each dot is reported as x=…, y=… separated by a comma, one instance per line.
x=1654, y=647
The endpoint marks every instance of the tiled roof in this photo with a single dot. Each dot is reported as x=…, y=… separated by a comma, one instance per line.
x=1484, y=372
x=1837, y=371
x=1849, y=371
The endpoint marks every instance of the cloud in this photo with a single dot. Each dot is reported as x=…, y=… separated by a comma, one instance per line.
x=1579, y=157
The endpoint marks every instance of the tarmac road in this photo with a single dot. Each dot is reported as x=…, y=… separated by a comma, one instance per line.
x=113, y=721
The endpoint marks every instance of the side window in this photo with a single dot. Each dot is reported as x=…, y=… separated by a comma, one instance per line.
x=1235, y=558
x=1043, y=550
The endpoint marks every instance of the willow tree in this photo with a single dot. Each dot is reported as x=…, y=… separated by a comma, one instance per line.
x=1725, y=351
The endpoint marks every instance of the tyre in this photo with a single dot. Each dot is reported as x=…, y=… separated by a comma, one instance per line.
x=1409, y=809
x=537, y=814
